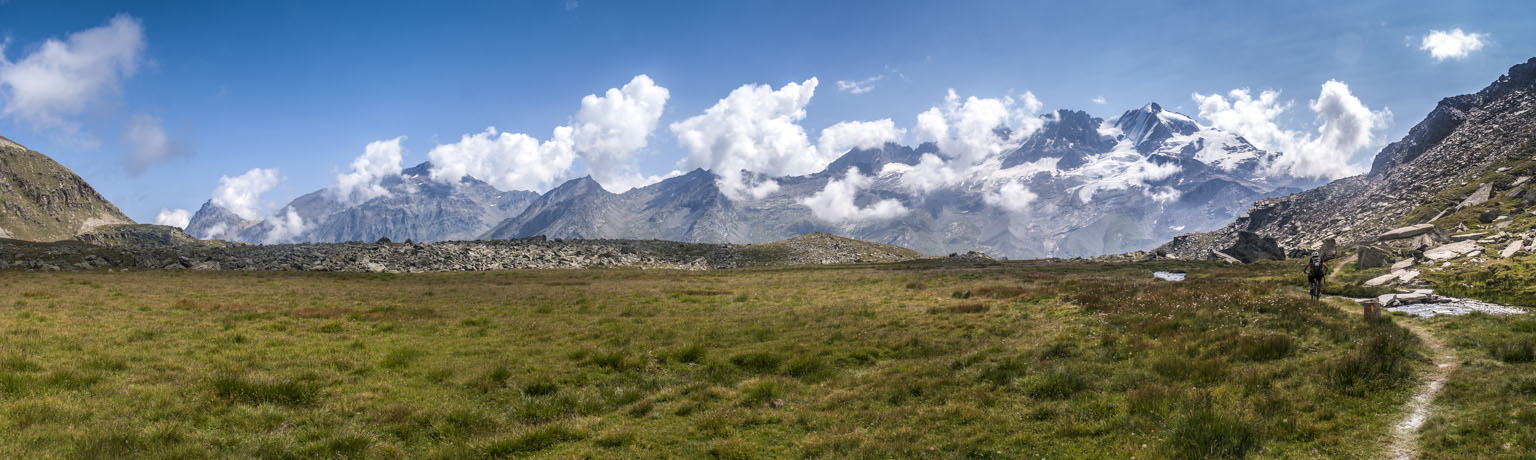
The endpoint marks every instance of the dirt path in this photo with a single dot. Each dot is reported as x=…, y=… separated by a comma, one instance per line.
x=1404, y=444
x=1340, y=266
x=1405, y=435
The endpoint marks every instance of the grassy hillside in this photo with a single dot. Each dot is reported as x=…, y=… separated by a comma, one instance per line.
x=928, y=360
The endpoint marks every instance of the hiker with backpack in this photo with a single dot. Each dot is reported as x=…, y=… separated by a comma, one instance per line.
x=1316, y=270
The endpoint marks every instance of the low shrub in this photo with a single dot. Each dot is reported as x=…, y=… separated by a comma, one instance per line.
x=1382, y=360
x=1517, y=350
x=1057, y=383
x=251, y=391
x=1206, y=434
x=760, y=363
x=1264, y=347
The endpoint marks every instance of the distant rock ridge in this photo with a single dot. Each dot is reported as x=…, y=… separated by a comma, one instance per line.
x=154, y=247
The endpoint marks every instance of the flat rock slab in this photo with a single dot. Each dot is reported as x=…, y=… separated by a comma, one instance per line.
x=1478, y=197
x=1456, y=307
x=1452, y=251
x=1514, y=248
x=1380, y=280
x=1468, y=236
x=1169, y=276
x=1405, y=232
x=1402, y=264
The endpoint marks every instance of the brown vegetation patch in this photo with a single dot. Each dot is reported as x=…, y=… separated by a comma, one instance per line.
x=964, y=308
x=703, y=292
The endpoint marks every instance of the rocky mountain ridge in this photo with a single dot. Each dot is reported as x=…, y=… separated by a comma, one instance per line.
x=41, y=200
x=1426, y=176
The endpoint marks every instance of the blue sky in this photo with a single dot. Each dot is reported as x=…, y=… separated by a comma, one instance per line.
x=303, y=87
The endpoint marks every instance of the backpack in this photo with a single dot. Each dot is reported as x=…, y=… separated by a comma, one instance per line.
x=1315, y=267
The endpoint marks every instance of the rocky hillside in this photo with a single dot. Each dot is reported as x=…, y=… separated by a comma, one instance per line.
x=159, y=247
x=41, y=200
x=1469, y=148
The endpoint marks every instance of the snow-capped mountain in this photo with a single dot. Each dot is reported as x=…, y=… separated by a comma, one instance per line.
x=1077, y=186
x=415, y=207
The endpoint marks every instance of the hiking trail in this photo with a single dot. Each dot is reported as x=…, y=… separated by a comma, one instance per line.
x=1404, y=443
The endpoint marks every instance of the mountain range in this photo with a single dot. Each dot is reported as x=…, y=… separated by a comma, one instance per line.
x=1080, y=186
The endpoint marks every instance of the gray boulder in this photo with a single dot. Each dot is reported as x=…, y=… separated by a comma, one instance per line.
x=1329, y=249
x=1372, y=257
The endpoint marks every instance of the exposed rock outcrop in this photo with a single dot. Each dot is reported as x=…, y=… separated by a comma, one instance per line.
x=1250, y=248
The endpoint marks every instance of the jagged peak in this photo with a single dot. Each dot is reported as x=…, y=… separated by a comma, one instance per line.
x=580, y=185
x=422, y=170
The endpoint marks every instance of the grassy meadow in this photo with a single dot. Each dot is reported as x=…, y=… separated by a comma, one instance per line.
x=910, y=361
x=1488, y=406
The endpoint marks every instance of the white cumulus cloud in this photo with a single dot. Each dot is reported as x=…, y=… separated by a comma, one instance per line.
x=64, y=78
x=1345, y=127
x=835, y=202
x=974, y=129
x=242, y=194
x=178, y=218
x=148, y=144
x=756, y=128
x=929, y=174
x=838, y=139
x=380, y=159
x=971, y=135
x=1453, y=44
x=507, y=161
x=604, y=133
x=610, y=127
x=1011, y=196
x=284, y=227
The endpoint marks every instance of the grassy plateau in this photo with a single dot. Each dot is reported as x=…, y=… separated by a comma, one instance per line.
x=909, y=361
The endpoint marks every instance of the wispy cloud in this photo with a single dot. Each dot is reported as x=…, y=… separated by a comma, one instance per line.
x=1100, y=100
x=859, y=87
x=148, y=144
